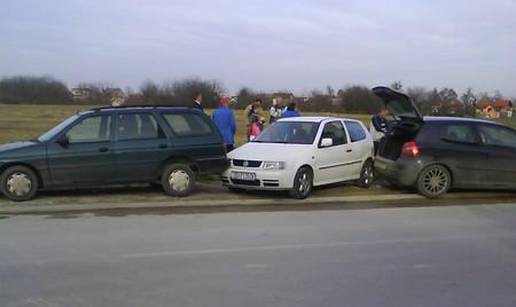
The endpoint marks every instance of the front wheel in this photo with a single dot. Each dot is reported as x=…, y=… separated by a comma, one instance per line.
x=367, y=175
x=434, y=181
x=19, y=183
x=178, y=180
x=303, y=183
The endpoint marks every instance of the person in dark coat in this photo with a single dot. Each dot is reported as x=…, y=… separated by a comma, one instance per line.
x=197, y=103
x=379, y=125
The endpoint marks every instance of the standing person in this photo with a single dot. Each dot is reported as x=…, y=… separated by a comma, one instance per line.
x=254, y=109
x=251, y=111
x=379, y=125
x=224, y=119
x=197, y=103
x=255, y=128
x=291, y=111
x=275, y=112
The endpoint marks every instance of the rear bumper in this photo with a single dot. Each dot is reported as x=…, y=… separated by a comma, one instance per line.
x=402, y=172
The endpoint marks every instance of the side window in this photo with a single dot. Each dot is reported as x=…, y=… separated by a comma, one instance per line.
x=135, y=126
x=188, y=124
x=497, y=136
x=336, y=132
x=91, y=129
x=461, y=133
x=356, y=132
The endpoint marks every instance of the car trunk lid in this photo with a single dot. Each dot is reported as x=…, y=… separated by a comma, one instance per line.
x=408, y=122
x=398, y=104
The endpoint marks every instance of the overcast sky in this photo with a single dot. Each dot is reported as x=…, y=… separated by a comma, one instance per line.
x=267, y=45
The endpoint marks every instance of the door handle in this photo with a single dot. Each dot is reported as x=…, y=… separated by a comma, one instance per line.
x=163, y=146
x=349, y=150
x=103, y=149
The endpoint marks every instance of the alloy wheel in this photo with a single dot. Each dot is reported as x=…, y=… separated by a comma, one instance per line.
x=435, y=181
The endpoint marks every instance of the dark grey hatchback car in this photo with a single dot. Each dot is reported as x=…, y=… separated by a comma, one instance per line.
x=435, y=154
x=108, y=146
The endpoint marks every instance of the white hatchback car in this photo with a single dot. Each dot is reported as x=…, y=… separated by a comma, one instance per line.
x=296, y=154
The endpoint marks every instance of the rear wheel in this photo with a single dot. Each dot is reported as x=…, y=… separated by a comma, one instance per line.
x=434, y=181
x=303, y=183
x=367, y=175
x=19, y=183
x=178, y=180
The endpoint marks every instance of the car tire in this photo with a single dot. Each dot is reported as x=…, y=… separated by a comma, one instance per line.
x=303, y=183
x=178, y=180
x=367, y=175
x=434, y=181
x=19, y=183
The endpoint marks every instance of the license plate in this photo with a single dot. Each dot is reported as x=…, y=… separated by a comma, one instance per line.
x=243, y=176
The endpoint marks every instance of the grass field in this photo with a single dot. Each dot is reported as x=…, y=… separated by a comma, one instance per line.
x=22, y=122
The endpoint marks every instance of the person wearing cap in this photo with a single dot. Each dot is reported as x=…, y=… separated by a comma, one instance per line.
x=224, y=119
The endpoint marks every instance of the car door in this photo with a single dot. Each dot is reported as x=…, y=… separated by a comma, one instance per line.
x=360, y=146
x=500, y=143
x=83, y=153
x=141, y=147
x=334, y=163
x=458, y=147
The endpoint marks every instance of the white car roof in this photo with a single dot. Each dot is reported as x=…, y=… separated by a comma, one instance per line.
x=313, y=119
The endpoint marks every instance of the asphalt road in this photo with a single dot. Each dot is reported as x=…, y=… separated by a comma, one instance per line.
x=433, y=256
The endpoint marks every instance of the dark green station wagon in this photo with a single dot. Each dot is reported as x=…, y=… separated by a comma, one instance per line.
x=113, y=146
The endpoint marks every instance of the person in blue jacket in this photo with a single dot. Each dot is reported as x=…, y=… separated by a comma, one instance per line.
x=224, y=119
x=291, y=111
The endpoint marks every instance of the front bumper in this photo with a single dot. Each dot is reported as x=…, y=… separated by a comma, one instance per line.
x=402, y=172
x=273, y=180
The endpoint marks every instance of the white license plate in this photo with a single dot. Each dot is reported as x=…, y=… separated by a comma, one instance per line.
x=243, y=176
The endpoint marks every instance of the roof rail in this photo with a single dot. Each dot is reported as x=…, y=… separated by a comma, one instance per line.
x=136, y=106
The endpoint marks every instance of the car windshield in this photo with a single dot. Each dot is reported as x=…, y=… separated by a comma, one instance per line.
x=54, y=131
x=289, y=133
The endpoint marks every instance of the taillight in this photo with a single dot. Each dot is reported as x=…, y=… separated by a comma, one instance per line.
x=410, y=149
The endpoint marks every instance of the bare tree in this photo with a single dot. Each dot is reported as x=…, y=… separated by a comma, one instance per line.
x=35, y=90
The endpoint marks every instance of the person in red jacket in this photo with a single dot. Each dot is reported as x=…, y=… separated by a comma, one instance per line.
x=256, y=127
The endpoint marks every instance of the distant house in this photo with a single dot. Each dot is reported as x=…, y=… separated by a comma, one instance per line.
x=494, y=109
x=80, y=94
x=282, y=98
x=452, y=107
x=116, y=96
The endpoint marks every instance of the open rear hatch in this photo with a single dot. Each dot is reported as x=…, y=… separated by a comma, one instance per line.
x=408, y=121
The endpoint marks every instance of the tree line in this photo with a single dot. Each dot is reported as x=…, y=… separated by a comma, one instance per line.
x=349, y=99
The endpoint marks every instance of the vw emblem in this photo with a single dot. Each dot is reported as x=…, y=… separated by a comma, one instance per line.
x=245, y=164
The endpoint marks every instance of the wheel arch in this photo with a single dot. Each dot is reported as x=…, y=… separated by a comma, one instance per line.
x=178, y=159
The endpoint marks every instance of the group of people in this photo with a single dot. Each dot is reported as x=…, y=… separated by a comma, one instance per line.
x=224, y=117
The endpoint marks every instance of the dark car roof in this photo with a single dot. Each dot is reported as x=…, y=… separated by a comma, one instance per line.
x=449, y=119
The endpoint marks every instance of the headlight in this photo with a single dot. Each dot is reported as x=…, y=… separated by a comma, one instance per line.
x=273, y=165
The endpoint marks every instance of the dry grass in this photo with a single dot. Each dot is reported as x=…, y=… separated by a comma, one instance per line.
x=22, y=122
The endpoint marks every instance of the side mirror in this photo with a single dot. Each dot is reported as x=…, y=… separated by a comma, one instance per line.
x=326, y=142
x=63, y=140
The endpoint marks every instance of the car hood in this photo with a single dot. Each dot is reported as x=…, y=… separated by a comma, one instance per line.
x=399, y=104
x=13, y=148
x=270, y=152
